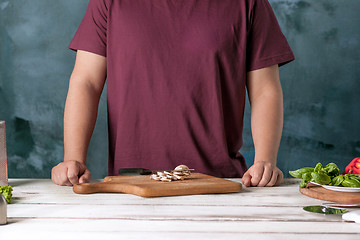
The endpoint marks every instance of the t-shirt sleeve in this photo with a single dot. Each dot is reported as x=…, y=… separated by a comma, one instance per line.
x=92, y=31
x=266, y=44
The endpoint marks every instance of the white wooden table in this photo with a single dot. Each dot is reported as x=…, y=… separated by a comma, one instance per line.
x=43, y=210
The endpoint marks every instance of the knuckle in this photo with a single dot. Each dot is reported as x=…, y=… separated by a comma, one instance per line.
x=257, y=176
x=72, y=176
x=254, y=181
x=72, y=164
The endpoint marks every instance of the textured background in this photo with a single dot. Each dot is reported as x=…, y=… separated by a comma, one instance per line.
x=321, y=88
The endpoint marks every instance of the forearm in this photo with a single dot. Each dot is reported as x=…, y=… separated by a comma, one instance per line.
x=267, y=123
x=266, y=101
x=79, y=119
x=86, y=84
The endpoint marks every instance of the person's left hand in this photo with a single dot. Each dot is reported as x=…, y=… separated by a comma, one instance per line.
x=262, y=174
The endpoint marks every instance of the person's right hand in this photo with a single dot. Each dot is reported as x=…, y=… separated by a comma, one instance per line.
x=69, y=173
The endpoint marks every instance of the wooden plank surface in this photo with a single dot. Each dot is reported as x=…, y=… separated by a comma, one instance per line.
x=168, y=212
x=137, y=229
x=178, y=230
x=41, y=208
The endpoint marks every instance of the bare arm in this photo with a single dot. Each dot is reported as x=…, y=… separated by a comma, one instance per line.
x=86, y=84
x=266, y=100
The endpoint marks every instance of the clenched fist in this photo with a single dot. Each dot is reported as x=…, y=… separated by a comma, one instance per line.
x=68, y=173
x=262, y=174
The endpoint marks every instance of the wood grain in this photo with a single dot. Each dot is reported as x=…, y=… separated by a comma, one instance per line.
x=41, y=209
x=319, y=192
x=142, y=185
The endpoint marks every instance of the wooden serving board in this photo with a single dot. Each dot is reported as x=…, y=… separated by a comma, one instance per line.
x=319, y=192
x=142, y=185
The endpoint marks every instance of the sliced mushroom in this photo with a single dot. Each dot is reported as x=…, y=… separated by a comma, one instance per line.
x=181, y=168
x=179, y=173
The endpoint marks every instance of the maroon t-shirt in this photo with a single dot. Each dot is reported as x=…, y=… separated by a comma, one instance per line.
x=176, y=77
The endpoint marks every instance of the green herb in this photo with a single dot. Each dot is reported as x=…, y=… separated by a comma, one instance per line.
x=331, y=169
x=318, y=168
x=306, y=176
x=336, y=181
x=298, y=173
x=320, y=178
x=328, y=175
x=351, y=183
x=6, y=191
x=354, y=176
x=303, y=183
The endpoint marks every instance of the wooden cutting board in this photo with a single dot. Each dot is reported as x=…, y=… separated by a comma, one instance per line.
x=319, y=192
x=142, y=185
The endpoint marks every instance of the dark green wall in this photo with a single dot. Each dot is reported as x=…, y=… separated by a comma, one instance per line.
x=321, y=88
